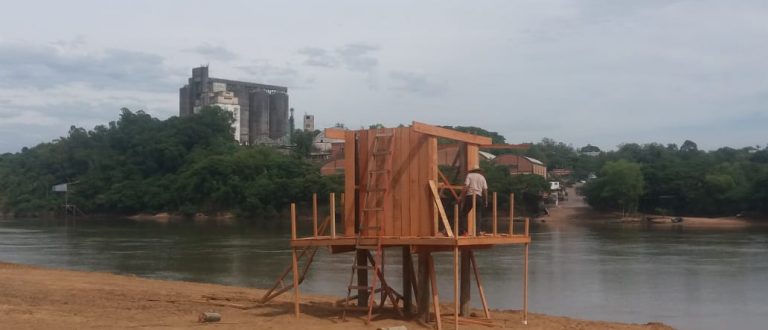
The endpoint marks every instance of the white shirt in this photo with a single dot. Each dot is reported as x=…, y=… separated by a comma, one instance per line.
x=475, y=183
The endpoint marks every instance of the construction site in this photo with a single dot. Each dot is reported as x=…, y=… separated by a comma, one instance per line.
x=393, y=202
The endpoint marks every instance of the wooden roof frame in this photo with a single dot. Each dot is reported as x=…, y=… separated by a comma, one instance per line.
x=451, y=134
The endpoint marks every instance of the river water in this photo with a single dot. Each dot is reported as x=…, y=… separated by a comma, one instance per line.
x=690, y=279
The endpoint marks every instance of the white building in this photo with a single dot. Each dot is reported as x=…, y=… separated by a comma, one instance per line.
x=227, y=101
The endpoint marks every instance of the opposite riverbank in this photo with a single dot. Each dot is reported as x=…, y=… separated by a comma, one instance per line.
x=42, y=298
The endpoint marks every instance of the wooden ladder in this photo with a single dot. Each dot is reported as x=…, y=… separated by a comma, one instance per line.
x=371, y=226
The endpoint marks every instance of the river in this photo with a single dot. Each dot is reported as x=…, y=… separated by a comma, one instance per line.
x=690, y=279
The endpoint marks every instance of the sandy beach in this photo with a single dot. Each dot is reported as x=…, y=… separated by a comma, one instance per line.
x=41, y=298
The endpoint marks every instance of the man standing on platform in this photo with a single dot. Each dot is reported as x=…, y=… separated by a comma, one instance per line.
x=475, y=187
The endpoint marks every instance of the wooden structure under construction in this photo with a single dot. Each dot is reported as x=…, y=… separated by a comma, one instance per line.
x=393, y=200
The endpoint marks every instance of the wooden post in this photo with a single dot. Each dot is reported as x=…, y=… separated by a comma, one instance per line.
x=495, y=214
x=362, y=277
x=479, y=284
x=314, y=213
x=296, y=294
x=456, y=221
x=293, y=221
x=333, y=215
x=423, y=291
x=465, y=288
x=525, y=284
x=435, y=296
x=511, y=214
x=407, y=285
x=456, y=286
x=527, y=226
x=473, y=227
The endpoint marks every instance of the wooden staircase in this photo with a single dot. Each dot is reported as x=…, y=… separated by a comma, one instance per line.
x=371, y=227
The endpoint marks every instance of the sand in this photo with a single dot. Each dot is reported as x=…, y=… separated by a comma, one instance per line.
x=41, y=298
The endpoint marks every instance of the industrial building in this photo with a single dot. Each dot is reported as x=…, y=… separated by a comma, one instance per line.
x=260, y=111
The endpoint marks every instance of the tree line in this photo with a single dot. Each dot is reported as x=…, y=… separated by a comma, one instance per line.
x=139, y=164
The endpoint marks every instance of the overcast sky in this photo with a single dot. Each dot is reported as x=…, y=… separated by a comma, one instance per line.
x=598, y=72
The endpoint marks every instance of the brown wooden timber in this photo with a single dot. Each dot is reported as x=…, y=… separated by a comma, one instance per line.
x=293, y=221
x=435, y=296
x=407, y=285
x=479, y=284
x=416, y=241
x=333, y=215
x=511, y=214
x=350, y=182
x=465, y=289
x=495, y=214
x=450, y=134
x=440, y=209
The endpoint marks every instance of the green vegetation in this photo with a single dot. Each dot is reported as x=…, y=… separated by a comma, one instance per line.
x=141, y=164
x=675, y=181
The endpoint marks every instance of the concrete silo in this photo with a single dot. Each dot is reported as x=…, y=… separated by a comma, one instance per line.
x=259, y=120
x=278, y=115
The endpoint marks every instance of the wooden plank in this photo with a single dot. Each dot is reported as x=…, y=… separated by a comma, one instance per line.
x=465, y=288
x=407, y=263
x=450, y=134
x=525, y=286
x=435, y=296
x=423, y=281
x=495, y=214
x=431, y=173
x=350, y=191
x=456, y=287
x=413, y=173
x=293, y=220
x=363, y=157
x=479, y=284
x=397, y=203
x=417, y=241
x=422, y=189
x=521, y=146
x=440, y=210
x=335, y=133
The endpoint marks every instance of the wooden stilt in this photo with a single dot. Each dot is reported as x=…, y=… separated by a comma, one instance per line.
x=475, y=220
x=465, y=289
x=495, y=214
x=527, y=226
x=525, y=286
x=479, y=284
x=314, y=213
x=456, y=286
x=362, y=277
x=293, y=220
x=407, y=285
x=296, y=293
x=435, y=296
x=423, y=291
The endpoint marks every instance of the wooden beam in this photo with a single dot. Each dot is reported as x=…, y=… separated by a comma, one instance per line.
x=440, y=209
x=495, y=215
x=423, y=291
x=450, y=134
x=407, y=285
x=525, y=287
x=479, y=284
x=314, y=214
x=350, y=183
x=465, y=288
x=293, y=220
x=333, y=215
x=511, y=214
x=456, y=287
x=335, y=133
x=435, y=296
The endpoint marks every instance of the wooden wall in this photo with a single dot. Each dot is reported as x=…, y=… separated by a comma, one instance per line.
x=409, y=207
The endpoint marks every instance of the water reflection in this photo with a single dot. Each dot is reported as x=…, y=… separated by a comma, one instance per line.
x=690, y=279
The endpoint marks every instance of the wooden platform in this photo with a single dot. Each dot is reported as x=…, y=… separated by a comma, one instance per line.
x=416, y=241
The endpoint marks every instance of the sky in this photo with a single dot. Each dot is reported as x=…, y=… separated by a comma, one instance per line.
x=576, y=71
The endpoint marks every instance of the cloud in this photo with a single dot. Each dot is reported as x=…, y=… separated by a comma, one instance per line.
x=214, y=53
x=319, y=57
x=410, y=82
x=271, y=74
x=356, y=57
x=41, y=66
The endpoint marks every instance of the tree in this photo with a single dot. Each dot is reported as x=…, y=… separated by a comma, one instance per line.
x=689, y=146
x=619, y=187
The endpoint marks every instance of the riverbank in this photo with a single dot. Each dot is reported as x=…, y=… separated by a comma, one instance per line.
x=575, y=209
x=42, y=298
